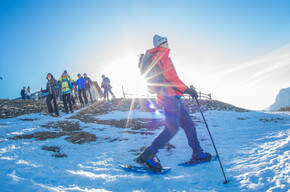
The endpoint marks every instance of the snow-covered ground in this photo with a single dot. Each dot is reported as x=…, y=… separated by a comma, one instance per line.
x=253, y=146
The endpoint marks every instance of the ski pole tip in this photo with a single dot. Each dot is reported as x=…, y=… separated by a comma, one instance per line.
x=227, y=181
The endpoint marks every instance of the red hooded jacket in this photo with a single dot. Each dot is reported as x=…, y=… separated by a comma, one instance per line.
x=173, y=86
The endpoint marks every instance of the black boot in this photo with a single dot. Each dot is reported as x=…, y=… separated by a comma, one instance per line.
x=199, y=158
x=153, y=163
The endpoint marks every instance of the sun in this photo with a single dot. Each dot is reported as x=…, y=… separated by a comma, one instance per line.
x=124, y=74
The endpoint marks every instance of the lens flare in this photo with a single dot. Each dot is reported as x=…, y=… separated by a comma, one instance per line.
x=150, y=105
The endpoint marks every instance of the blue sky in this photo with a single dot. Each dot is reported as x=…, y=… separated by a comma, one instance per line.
x=236, y=50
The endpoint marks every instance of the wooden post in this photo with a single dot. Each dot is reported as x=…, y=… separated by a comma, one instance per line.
x=123, y=92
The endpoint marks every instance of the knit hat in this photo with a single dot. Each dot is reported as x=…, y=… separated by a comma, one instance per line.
x=158, y=40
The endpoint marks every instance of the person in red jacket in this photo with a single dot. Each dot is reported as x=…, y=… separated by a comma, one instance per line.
x=169, y=97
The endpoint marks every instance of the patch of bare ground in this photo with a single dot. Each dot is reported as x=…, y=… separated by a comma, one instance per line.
x=133, y=126
x=70, y=129
x=56, y=151
x=272, y=119
x=51, y=148
x=81, y=137
x=64, y=126
x=41, y=136
x=14, y=108
x=27, y=119
x=142, y=125
x=210, y=105
x=59, y=155
x=107, y=107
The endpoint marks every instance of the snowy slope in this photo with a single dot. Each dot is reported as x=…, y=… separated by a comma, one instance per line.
x=254, y=149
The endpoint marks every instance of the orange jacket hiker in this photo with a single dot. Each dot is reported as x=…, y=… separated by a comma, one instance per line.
x=173, y=86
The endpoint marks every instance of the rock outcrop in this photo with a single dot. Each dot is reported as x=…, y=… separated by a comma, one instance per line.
x=282, y=100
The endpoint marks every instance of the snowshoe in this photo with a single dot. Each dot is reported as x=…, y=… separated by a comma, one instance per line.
x=187, y=164
x=152, y=164
x=199, y=158
x=143, y=169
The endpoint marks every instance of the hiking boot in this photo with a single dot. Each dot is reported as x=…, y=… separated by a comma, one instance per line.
x=199, y=158
x=48, y=113
x=153, y=163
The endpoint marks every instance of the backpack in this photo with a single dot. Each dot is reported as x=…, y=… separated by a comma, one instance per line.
x=152, y=72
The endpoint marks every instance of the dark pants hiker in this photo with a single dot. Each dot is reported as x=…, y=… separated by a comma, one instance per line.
x=49, y=106
x=72, y=97
x=91, y=97
x=83, y=91
x=175, y=115
x=66, y=98
x=106, y=93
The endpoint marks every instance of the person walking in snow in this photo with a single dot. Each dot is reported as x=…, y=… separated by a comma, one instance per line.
x=81, y=85
x=52, y=89
x=169, y=97
x=88, y=86
x=65, y=87
x=23, y=93
x=106, y=85
x=72, y=83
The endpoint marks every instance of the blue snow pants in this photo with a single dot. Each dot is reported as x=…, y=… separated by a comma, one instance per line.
x=175, y=115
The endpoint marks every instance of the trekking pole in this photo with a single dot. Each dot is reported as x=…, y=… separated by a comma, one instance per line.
x=226, y=181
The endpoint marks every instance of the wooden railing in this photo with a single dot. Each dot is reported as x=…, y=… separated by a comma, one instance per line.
x=129, y=93
x=200, y=96
x=35, y=96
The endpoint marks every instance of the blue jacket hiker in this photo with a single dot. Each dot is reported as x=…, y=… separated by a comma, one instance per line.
x=22, y=93
x=81, y=84
x=65, y=87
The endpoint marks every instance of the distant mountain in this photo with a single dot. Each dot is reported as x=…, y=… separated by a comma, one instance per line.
x=282, y=100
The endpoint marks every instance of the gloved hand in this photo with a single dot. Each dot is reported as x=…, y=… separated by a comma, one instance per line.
x=192, y=92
